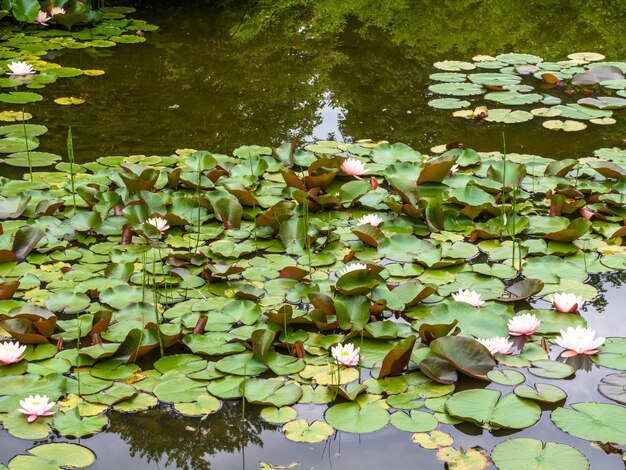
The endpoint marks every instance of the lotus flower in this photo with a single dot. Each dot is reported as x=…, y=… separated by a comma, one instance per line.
x=42, y=18
x=469, y=297
x=353, y=167
x=371, y=219
x=159, y=223
x=579, y=340
x=352, y=267
x=567, y=303
x=57, y=11
x=20, y=69
x=36, y=406
x=374, y=182
x=497, y=345
x=521, y=325
x=345, y=354
x=11, y=353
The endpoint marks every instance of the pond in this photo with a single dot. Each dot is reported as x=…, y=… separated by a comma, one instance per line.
x=248, y=281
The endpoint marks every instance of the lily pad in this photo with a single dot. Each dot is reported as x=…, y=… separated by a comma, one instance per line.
x=593, y=422
x=352, y=417
x=525, y=453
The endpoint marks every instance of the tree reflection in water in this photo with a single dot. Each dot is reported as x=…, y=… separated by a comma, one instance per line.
x=188, y=443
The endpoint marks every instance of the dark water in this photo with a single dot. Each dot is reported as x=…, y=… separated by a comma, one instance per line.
x=221, y=74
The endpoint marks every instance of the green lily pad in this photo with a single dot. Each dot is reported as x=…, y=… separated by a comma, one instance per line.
x=593, y=422
x=415, y=421
x=448, y=103
x=508, y=116
x=456, y=89
x=272, y=414
x=300, y=430
x=506, y=377
x=20, y=97
x=544, y=393
x=352, y=417
x=71, y=424
x=53, y=457
x=525, y=453
x=551, y=369
x=488, y=408
x=613, y=386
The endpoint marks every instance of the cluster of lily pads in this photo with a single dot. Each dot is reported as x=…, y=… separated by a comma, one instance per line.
x=583, y=88
x=21, y=59
x=320, y=275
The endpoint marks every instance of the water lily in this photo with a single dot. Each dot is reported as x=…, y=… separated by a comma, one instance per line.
x=20, y=69
x=521, y=325
x=453, y=169
x=469, y=297
x=11, y=353
x=586, y=213
x=497, y=345
x=372, y=219
x=42, y=18
x=36, y=406
x=352, y=267
x=353, y=167
x=374, y=182
x=159, y=223
x=346, y=354
x=579, y=340
x=57, y=11
x=567, y=303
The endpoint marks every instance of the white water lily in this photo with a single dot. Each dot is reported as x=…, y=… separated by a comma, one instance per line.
x=579, y=340
x=42, y=18
x=353, y=167
x=159, y=223
x=346, y=354
x=567, y=303
x=57, y=11
x=11, y=353
x=521, y=325
x=497, y=345
x=352, y=267
x=36, y=406
x=469, y=297
x=20, y=69
x=372, y=219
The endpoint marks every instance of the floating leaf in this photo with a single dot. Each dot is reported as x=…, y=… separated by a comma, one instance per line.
x=351, y=417
x=300, y=430
x=524, y=453
x=69, y=101
x=593, y=422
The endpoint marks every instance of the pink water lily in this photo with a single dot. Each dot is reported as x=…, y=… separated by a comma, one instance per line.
x=158, y=222
x=11, y=353
x=57, y=11
x=469, y=297
x=19, y=69
x=579, y=340
x=36, y=406
x=497, y=345
x=352, y=267
x=567, y=303
x=42, y=18
x=372, y=219
x=521, y=325
x=346, y=354
x=353, y=167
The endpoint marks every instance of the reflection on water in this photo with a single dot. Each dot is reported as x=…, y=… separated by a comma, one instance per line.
x=185, y=443
x=221, y=74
